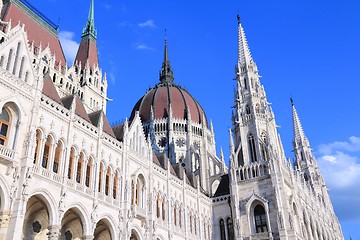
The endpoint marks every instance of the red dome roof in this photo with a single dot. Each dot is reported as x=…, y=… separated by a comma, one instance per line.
x=159, y=99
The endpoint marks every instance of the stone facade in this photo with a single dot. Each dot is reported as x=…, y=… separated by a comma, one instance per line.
x=65, y=173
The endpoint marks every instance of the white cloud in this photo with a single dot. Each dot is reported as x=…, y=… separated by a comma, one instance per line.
x=353, y=145
x=149, y=23
x=69, y=46
x=142, y=46
x=339, y=163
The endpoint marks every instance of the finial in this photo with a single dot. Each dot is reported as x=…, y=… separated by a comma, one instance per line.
x=166, y=73
x=89, y=28
x=292, y=101
x=238, y=18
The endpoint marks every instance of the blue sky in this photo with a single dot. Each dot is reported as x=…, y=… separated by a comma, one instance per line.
x=305, y=49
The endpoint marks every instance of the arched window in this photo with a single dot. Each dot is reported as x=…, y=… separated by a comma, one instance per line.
x=175, y=220
x=88, y=172
x=260, y=219
x=158, y=207
x=21, y=67
x=9, y=60
x=57, y=157
x=222, y=229
x=180, y=217
x=71, y=163
x=252, y=148
x=37, y=147
x=101, y=176
x=230, y=229
x=139, y=191
x=247, y=109
x=16, y=58
x=47, y=152
x=115, y=184
x=191, y=223
x=195, y=225
x=79, y=168
x=163, y=209
x=107, y=181
x=263, y=146
x=4, y=126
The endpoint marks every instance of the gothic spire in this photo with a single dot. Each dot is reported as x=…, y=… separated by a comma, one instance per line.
x=245, y=57
x=87, y=53
x=166, y=73
x=89, y=29
x=299, y=134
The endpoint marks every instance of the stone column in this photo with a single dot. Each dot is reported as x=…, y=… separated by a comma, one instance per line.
x=54, y=232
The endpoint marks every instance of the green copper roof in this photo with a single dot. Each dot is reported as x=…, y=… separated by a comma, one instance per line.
x=89, y=29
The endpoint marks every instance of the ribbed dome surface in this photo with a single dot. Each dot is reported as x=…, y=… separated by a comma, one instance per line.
x=163, y=95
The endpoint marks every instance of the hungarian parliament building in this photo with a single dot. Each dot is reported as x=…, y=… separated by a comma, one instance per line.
x=66, y=173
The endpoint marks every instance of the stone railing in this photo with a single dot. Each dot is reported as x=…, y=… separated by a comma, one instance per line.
x=253, y=171
x=7, y=156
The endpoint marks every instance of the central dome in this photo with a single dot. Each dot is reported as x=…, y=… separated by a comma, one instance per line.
x=164, y=95
x=167, y=94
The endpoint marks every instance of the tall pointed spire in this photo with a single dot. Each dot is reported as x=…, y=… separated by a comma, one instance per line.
x=166, y=73
x=89, y=29
x=299, y=134
x=245, y=57
x=87, y=52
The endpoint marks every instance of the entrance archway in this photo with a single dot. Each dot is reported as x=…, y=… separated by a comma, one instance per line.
x=72, y=226
x=102, y=231
x=36, y=221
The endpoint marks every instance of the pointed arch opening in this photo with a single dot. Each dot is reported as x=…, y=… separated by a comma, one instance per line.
x=47, y=151
x=57, y=157
x=260, y=219
x=37, y=219
x=252, y=148
x=222, y=229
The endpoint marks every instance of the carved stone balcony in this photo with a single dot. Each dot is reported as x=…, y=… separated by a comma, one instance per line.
x=7, y=156
x=138, y=212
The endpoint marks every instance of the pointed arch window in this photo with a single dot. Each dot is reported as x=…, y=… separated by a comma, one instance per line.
x=57, y=157
x=79, y=168
x=37, y=147
x=163, y=209
x=158, y=207
x=175, y=217
x=88, y=172
x=260, y=219
x=222, y=229
x=47, y=152
x=230, y=228
x=191, y=223
x=9, y=60
x=71, y=163
x=100, y=177
x=263, y=146
x=139, y=191
x=4, y=126
x=107, y=181
x=252, y=148
x=247, y=109
x=115, y=184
